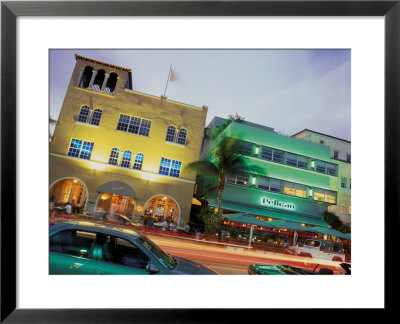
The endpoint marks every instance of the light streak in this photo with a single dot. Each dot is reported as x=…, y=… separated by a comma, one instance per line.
x=198, y=251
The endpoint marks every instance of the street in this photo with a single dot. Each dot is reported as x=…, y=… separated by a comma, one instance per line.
x=226, y=258
x=232, y=260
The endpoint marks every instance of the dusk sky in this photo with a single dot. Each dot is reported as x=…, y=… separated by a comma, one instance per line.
x=288, y=90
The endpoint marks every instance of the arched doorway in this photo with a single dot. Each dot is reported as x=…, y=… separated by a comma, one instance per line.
x=70, y=191
x=161, y=207
x=116, y=204
x=116, y=198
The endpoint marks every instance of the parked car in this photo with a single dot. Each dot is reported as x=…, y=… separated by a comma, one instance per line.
x=270, y=269
x=86, y=247
x=320, y=249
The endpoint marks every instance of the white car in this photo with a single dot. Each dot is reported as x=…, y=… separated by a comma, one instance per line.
x=319, y=249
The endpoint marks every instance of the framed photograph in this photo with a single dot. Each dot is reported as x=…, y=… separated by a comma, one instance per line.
x=353, y=44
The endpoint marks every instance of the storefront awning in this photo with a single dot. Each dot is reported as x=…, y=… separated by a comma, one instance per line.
x=249, y=219
x=336, y=233
x=268, y=213
x=117, y=188
x=246, y=219
x=321, y=230
x=332, y=232
x=346, y=236
x=296, y=226
x=196, y=202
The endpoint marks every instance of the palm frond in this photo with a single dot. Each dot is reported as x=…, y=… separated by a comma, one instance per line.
x=248, y=168
x=227, y=153
x=205, y=168
x=257, y=169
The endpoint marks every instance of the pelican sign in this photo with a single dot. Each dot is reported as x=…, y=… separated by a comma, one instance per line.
x=277, y=204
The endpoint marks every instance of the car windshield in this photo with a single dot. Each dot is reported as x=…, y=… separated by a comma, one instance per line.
x=312, y=243
x=337, y=248
x=326, y=247
x=166, y=259
x=331, y=247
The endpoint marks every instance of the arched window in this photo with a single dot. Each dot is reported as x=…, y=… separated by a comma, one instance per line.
x=114, y=156
x=182, y=136
x=170, y=134
x=86, y=77
x=138, y=161
x=126, y=159
x=84, y=114
x=111, y=83
x=95, y=120
x=98, y=80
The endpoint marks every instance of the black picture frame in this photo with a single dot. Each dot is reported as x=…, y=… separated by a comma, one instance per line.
x=10, y=10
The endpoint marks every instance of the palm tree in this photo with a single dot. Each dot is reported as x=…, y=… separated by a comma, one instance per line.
x=226, y=159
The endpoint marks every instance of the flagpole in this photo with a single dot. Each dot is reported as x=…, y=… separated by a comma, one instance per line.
x=169, y=74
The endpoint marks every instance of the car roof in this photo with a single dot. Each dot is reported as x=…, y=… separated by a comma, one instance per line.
x=97, y=227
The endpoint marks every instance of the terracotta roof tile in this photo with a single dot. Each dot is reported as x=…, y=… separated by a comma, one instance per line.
x=77, y=56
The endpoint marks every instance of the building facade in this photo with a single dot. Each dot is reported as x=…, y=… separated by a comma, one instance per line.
x=340, y=151
x=285, y=178
x=120, y=151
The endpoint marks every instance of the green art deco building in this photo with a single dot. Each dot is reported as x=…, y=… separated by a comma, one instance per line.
x=286, y=179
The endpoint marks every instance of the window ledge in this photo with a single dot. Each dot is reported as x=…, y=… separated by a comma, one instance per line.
x=146, y=175
x=126, y=132
x=174, y=143
x=93, y=91
x=86, y=124
x=286, y=165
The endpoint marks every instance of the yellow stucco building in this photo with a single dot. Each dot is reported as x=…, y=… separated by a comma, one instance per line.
x=117, y=150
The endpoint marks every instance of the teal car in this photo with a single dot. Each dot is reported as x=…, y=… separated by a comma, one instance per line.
x=271, y=269
x=88, y=248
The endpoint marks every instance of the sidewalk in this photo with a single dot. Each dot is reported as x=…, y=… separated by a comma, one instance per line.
x=193, y=239
x=187, y=237
x=154, y=231
x=207, y=241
